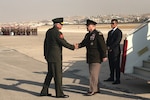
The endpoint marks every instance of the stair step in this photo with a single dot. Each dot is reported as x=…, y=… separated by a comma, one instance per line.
x=146, y=63
x=139, y=77
x=145, y=72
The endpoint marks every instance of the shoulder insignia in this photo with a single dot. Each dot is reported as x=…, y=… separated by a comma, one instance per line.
x=86, y=35
x=61, y=36
x=100, y=33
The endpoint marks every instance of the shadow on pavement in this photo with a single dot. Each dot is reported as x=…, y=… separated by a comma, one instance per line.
x=15, y=87
x=78, y=73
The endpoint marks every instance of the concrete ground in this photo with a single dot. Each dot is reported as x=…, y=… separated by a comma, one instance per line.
x=23, y=70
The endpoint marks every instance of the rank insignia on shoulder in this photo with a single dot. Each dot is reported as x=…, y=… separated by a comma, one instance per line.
x=100, y=33
x=61, y=36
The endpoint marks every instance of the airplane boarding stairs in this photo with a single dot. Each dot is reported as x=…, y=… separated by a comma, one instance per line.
x=136, y=52
x=142, y=72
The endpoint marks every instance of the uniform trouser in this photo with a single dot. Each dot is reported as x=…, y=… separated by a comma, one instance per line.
x=54, y=70
x=94, y=69
x=114, y=65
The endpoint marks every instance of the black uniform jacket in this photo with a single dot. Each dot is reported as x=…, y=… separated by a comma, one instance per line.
x=95, y=45
x=113, y=41
x=53, y=43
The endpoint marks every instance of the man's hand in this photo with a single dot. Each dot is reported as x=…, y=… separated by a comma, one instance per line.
x=76, y=46
x=105, y=59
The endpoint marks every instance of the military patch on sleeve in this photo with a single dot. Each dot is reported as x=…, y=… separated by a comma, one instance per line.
x=100, y=33
x=61, y=36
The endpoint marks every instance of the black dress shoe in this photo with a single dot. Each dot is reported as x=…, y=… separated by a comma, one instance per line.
x=63, y=96
x=109, y=80
x=116, y=82
x=45, y=94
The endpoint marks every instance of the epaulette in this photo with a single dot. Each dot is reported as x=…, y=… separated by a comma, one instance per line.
x=100, y=33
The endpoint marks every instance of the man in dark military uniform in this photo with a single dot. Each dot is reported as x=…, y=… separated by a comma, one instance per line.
x=96, y=53
x=53, y=43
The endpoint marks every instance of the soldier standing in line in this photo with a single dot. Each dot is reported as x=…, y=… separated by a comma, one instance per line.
x=53, y=43
x=96, y=54
x=35, y=31
x=28, y=31
x=3, y=30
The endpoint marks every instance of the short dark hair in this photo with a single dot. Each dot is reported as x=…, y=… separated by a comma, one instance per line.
x=114, y=20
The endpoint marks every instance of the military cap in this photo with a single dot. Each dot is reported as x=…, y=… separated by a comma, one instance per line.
x=90, y=22
x=58, y=20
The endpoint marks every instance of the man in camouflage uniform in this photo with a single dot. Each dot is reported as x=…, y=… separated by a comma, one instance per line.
x=96, y=54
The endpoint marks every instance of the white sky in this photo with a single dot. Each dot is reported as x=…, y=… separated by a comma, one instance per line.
x=28, y=10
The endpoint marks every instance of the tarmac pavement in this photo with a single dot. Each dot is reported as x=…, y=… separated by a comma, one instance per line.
x=21, y=78
x=23, y=71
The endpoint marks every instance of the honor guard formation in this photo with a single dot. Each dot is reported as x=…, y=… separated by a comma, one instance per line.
x=18, y=30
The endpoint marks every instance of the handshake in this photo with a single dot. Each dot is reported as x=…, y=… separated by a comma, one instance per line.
x=76, y=46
